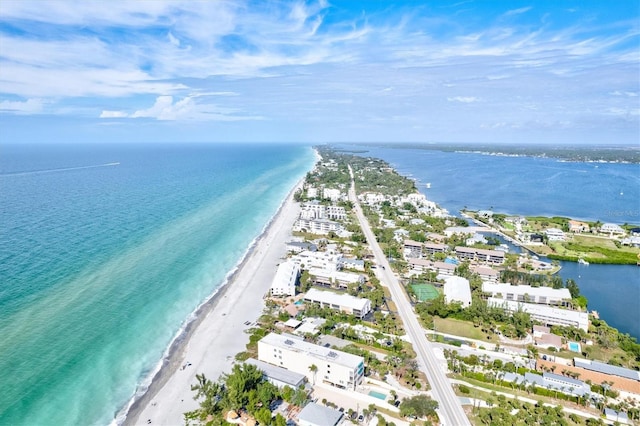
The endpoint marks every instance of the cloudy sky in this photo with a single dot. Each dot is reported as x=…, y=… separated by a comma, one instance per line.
x=321, y=71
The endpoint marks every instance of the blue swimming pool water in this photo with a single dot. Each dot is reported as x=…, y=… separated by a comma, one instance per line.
x=378, y=395
x=574, y=346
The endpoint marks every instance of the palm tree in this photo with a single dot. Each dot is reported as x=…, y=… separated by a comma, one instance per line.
x=314, y=369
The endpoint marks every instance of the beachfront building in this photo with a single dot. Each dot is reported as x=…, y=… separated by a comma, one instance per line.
x=456, y=289
x=420, y=266
x=317, y=226
x=315, y=210
x=528, y=294
x=495, y=257
x=544, y=314
x=293, y=353
x=334, y=278
x=339, y=302
x=317, y=259
x=278, y=376
x=554, y=234
x=300, y=246
x=284, y=282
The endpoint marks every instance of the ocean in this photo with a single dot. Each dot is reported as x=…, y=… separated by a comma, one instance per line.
x=105, y=253
x=609, y=192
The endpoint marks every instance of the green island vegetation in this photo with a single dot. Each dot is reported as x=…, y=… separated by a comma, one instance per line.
x=590, y=245
x=586, y=153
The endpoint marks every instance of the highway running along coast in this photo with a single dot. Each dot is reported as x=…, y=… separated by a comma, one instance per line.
x=450, y=409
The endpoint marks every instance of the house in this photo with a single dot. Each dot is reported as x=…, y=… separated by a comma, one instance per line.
x=340, y=302
x=318, y=415
x=332, y=366
x=554, y=234
x=612, y=229
x=536, y=238
x=485, y=214
x=317, y=259
x=310, y=325
x=543, y=337
x=578, y=227
x=284, y=282
x=456, y=289
x=476, y=239
x=400, y=234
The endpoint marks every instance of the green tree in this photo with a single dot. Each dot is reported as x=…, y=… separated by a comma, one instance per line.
x=242, y=379
x=419, y=406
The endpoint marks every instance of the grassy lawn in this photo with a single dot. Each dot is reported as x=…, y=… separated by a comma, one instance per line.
x=459, y=328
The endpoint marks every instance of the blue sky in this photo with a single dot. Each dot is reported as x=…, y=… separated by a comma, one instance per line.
x=321, y=71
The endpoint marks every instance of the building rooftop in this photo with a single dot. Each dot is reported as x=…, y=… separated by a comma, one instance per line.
x=280, y=374
x=326, y=354
x=319, y=415
x=601, y=367
x=345, y=300
x=504, y=288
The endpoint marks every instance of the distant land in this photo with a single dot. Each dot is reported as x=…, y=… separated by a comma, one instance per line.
x=577, y=153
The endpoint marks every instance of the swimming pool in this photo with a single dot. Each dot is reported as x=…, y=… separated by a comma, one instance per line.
x=298, y=303
x=574, y=347
x=378, y=395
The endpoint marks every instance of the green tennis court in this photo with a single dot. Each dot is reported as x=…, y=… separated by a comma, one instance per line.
x=425, y=292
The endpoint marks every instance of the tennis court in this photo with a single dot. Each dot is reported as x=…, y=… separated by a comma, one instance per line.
x=425, y=292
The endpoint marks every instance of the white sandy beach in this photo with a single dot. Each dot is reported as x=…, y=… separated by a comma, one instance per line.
x=213, y=344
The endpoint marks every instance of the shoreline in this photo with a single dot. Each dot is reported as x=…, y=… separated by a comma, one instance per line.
x=204, y=346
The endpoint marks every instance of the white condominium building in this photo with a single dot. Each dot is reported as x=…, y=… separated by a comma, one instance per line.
x=284, y=282
x=331, y=366
x=526, y=293
x=317, y=226
x=547, y=315
x=340, y=302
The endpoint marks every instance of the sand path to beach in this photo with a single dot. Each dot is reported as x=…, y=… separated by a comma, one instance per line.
x=212, y=345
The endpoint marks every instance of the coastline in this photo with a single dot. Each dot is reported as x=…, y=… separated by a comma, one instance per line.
x=208, y=344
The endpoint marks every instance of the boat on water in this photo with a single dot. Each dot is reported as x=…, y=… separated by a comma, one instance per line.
x=582, y=261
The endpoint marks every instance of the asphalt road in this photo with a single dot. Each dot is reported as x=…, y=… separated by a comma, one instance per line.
x=450, y=409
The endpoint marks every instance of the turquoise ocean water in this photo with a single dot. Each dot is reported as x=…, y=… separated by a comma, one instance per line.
x=106, y=251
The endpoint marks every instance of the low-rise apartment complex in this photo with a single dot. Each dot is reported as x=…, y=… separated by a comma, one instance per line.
x=340, y=302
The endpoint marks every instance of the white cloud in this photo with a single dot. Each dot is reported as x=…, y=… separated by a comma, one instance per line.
x=113, y=114
x=517, y=11
x=463, y=99
x=30, y=106
x=185, y=109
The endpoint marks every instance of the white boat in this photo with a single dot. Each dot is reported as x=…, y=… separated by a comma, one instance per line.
x=582, y=261
x=428, y=185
